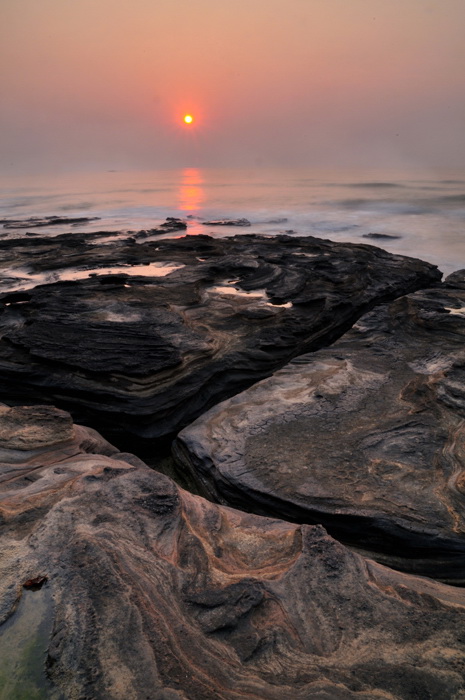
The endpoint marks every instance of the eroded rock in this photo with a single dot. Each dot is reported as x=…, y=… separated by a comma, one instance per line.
x=32, y=427
x=366, y=437
x=185, y=324
x=158, y=593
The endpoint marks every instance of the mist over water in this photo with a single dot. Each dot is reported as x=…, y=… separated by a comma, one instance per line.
x=421, y=215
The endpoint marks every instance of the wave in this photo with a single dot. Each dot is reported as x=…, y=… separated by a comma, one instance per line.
x=375, y=185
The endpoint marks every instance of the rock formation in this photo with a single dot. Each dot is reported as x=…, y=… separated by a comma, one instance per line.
x=178, y=325
x=45, y=221
x=115, y=583
x=366, y=437
x=227, y=222
x=380, y=236
x=145, y=591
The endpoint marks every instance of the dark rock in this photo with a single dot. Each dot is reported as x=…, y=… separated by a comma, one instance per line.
x=227, y=222
x=148, y=354
x=39, y=222
x=171, y=225
x=365, y=437
x=380, y=236
x=174, y=224
x=456, y=280
x=160, y=594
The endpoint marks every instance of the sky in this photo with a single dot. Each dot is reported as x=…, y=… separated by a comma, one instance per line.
x=104, y=84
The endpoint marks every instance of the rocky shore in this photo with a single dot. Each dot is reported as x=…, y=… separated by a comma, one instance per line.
x=315, y=391
x=157, y=593
x=177, y=325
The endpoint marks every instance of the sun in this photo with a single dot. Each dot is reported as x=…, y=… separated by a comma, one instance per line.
x=188, y=119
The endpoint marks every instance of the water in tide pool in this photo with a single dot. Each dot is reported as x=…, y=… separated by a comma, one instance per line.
x=419, y=215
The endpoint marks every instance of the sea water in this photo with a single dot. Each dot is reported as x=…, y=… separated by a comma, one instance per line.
x=420, y=214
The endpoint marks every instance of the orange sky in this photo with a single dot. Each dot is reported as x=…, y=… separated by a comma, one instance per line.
x=105, y=83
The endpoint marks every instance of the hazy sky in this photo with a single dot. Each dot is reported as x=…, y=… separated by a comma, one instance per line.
x=105, y=83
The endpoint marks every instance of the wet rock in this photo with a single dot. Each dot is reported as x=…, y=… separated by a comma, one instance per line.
x=147, y=353
x=456, y=280
x=171, y=225
x=227, y=222
x=366, y=437
x=380, y=236
x=40, y=222
x=158, y=593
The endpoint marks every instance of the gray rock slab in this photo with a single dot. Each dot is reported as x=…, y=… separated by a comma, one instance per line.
x=366, y=437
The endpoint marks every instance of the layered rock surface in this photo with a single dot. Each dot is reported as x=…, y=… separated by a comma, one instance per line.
x=155, y=593
x=146, y=349
x=366, y=437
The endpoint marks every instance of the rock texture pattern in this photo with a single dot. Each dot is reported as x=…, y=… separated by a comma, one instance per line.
x=148, y=348
x=155, y=593
x=366, y=437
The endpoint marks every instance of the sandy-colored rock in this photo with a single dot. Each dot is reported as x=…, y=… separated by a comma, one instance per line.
x=146, y=591
x=32, y=427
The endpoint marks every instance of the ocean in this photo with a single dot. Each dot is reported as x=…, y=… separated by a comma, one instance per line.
x=420, y=215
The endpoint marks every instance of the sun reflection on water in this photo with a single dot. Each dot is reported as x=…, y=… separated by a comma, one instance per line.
x=191, y=197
